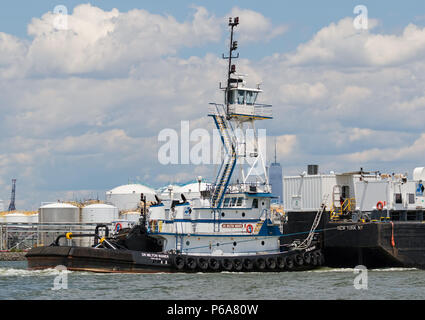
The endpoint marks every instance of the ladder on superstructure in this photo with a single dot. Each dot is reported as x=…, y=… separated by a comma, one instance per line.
x=229, y=162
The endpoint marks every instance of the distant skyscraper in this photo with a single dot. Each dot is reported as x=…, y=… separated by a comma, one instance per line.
x=276, y=179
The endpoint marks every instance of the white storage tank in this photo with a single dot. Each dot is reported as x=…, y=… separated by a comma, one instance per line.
x=419, y=174
x=131, y=216
x=19, y=217
x=58, y=212
x=127, y=197
x=98, y=213
x=192, y=190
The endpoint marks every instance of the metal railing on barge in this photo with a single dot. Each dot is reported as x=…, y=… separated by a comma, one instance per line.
x=25, y=235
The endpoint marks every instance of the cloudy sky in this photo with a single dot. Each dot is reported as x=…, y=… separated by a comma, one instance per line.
x=82, y=106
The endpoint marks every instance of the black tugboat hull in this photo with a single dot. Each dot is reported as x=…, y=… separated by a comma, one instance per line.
x=128, y=261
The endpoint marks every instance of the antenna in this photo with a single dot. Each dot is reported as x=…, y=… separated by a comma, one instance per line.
x=232, y=47
x=12, y=197
x=275, y=146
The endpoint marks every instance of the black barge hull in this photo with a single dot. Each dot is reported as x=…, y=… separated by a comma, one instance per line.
x=377, y=244
x=129, y=261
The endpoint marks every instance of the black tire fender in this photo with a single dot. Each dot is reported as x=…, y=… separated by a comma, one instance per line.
x=248, y=264
x=213, y=264
x=281, y=262
x=271, y=263
x=307, y=258
x=202, y=263
x=178, y=262
x=290, y=263
x=227, y=264
x=260, y=263
x=237, y=264
x=191, y=263
x=299, y=260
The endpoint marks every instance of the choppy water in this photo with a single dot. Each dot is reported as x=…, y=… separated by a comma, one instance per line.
x=328, y=284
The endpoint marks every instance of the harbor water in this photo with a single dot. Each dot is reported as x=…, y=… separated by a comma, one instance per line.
x=18, y=283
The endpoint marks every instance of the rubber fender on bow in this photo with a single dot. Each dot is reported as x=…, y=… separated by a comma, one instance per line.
x=307, y=258
x=289, y=263
x=299, y=260
x=281, y=262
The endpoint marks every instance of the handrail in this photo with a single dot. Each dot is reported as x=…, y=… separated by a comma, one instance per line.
x=347, y=206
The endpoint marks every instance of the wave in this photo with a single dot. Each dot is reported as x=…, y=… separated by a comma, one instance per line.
x=328, y=269
x=13, y=272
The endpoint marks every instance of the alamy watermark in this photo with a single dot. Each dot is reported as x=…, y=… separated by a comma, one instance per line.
x=360, y=22
x=60, y=19
x=200, y=147
x=361, y=280
x=61, y=280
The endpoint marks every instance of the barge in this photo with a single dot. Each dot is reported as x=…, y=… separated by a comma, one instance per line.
x=371, y=218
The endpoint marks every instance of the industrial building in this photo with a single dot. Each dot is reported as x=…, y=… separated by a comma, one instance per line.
x=364, y=192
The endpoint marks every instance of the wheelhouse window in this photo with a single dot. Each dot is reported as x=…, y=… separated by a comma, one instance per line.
x=226, y=202
x=239, y=203
x=251, y=96
x=233, y=203
x=255, y=203
x=241, y=96
x=232, y=96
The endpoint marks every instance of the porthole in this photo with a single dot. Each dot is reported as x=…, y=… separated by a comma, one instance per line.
x=187, y=243
x=218, y=244
x=243, y=214
x=234, y=244
x=222, y=214
x=262, y=243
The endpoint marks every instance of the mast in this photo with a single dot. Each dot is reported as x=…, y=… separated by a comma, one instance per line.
x=239, y=111
x=231, y=68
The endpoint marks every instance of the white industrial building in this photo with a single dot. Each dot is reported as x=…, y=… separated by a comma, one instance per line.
x=365, y=191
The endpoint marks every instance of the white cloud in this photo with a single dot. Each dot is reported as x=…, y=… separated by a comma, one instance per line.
x=110, y=42
x=82, y=108
x=414, y=151
x=255, y=27
x=341, y=44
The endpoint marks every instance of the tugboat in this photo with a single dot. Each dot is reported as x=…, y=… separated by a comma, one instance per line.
x=229, y=228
